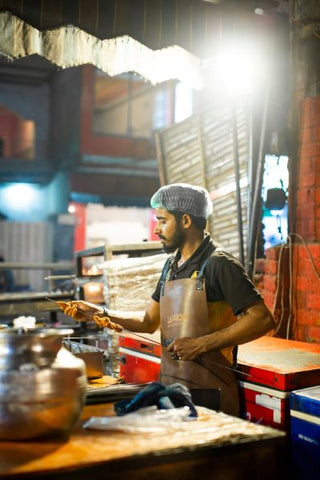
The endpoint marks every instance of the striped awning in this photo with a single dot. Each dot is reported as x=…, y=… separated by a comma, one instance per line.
x=158, y=39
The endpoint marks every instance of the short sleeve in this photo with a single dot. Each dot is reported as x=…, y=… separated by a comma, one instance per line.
x=156, y=294
x=227, y=280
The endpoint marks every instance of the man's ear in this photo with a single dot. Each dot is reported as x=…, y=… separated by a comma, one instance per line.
x=186, y=220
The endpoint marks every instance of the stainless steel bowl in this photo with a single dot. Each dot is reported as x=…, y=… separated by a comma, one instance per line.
x=42, y=385
x=38, y=346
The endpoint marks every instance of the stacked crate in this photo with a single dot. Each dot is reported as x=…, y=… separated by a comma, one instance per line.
x=270, y=370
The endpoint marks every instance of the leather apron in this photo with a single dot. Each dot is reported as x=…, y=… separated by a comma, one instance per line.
x=184, y=313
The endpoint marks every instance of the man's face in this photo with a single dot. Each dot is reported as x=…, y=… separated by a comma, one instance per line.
x=169, y=231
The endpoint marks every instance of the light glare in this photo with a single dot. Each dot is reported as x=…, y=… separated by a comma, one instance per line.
x=20, y=196
x=235, y=70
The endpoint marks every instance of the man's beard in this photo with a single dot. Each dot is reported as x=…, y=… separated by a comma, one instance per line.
x=176, y=242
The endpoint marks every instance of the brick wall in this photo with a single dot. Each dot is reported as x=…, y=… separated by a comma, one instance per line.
x=289, y=276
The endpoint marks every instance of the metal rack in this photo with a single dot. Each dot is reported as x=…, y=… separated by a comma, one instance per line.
x=107, y=252
x=34, y=303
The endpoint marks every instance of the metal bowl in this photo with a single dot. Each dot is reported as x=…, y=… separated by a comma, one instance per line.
x=36, y=346
x=42, y=402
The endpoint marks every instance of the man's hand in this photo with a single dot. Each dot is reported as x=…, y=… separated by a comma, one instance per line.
x=80, y=310
x=85, y=311
x=185, y=348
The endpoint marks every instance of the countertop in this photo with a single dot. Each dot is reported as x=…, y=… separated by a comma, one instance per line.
x=179, y=451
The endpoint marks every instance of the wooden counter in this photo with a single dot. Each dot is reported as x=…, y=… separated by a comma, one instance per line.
x=215, y=445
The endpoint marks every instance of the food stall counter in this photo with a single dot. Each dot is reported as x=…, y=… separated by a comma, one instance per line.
x=217, y=444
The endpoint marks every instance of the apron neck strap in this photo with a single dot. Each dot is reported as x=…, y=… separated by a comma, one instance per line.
x=199, y=282
x=164, y=274
x=168, y=264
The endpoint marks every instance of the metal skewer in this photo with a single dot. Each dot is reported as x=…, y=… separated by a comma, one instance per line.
x=159, y=343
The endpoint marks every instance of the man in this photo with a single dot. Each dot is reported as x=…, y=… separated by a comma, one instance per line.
x=204, y=302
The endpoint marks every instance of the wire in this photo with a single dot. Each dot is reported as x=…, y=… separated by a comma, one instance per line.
x=290, y=289
x=277, y=292
x=280, y=281
x=308, y=252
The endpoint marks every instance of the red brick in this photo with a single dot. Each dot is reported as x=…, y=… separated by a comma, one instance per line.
x=308, y=316
x=298, y=250
x=306, y=195
x=273, y=253
x=299, y=226
x=260, y=265
x=269, y=282
x=307, y=180
x=300, y=333
x=313, y=301
x=314, y=249
x=317, y=198
x=312, y=334
x=305, y=283
x=310, y=149
x=307, y=134
x=271, y=266
x=258, y=282
x=305, y=210
x=269, y=300
x=311, y=269
x=316, y=166
x=310, y=235
x=305, y=268
x=306, y=227
x=311, y=112
x=306, y=165
x=301, y=299
x=317, y=235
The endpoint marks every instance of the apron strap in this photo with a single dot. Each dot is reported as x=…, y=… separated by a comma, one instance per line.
x=199, y=282
x=235, y=357
x=167, y=266
x=164, y=274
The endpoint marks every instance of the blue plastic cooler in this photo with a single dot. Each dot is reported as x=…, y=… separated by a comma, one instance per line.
x=305, y=431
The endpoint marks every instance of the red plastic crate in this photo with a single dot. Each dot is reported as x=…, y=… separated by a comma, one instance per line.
x=282, y=364
x=140, y=357
x=265, y=406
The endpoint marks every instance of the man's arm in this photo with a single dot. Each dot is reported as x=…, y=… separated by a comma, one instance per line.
x=146, y=324
x=255, y=322
x=83, y=311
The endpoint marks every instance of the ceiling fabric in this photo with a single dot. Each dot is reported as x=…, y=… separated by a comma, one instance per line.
x=68, y=46
x=158, y=39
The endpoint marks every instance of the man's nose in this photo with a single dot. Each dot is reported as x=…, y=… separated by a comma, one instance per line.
x=156, y=229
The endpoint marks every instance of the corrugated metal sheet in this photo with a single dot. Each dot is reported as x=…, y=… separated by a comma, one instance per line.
x=201, y=150
x=27, y=242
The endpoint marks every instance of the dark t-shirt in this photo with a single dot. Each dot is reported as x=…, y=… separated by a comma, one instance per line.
x=224, y=275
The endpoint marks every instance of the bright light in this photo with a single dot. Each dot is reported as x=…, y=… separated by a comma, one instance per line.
x=183, y=102
x=20, y=196
x=276, y=213
x=235, y=70
x=71, y=209
x=276, y=174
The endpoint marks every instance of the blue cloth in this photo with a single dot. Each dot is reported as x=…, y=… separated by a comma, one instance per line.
x=164, y=397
